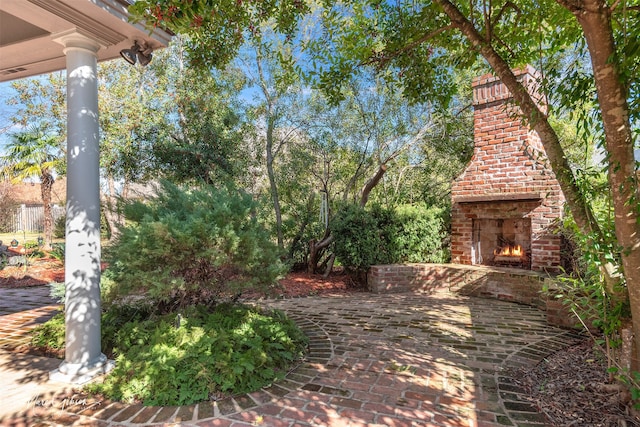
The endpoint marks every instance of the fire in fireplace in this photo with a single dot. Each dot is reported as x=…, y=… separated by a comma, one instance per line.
x=508, y=256
x=509, y=251
x=502, y=242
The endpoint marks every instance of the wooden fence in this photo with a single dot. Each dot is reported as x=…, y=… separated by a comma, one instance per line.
x=31, y=218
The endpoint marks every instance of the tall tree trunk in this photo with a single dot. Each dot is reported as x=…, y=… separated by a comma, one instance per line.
x=316, y=250
x=110, y=209
x=46, y=187
x=272, y=181
x=304, y=222
x=595, y=19
x=270, y=152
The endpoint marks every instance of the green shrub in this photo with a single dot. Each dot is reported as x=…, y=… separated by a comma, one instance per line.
x=8, y=208
x=409, y=233
x=192, y=246
x=182, y=359
x=49, y=335
x=116, y=316
x=57, y=251
x=59, y=227
x=359, y=239
x=57, y=291
x=33, y=250
x=419, y=234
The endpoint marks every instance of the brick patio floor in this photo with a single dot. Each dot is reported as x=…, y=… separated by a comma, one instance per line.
x=375, y=360
x=21, y=310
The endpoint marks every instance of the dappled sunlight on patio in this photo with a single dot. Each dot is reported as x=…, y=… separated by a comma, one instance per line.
x=374, y=360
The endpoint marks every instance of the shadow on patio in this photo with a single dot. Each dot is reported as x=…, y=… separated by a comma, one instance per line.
x=375, y=360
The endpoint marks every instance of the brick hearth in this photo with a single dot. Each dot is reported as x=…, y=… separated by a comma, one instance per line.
x=508, y=183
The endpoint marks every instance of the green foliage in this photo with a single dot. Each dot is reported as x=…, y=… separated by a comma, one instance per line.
x=35, y=153
x=116, y=316
x=587, y=298
x=359, y=240
x=180, y=360
x=186, y=358
x=583, y=287
x=59, y=227
x=217, y=30
x=420, y=234
x=57, y=251
x=32, y=153
x=33, y=250
x=57, y=291
x=204, y=145
x=40, y=101
x=409, y=233
x=191, y=246
x=7, y=209
x=49, y=335
x=369, y=33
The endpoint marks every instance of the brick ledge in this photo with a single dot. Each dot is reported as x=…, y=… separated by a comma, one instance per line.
x=497, y=197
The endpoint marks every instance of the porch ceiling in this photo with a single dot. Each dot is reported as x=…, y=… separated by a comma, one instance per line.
x=28, y=29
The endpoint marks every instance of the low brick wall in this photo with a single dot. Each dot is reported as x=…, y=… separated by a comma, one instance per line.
x=505, y=284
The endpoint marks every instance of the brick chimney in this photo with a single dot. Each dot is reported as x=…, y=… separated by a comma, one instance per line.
x=507, y=194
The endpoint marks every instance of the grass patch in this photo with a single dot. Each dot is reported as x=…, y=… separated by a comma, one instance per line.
x=21, y=237
x=192, y=357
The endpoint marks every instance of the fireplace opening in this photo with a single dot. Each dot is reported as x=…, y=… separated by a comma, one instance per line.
x=502, y=242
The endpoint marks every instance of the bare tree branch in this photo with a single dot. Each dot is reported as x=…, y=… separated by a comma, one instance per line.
x=416, y=138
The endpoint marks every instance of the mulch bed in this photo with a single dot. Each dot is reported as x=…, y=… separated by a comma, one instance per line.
x=302, y=284
x=572, y=388
x=39, y=271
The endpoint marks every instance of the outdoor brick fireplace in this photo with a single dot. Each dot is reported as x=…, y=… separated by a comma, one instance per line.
x=506, y=200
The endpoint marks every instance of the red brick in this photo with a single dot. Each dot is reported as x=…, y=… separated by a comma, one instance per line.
x=217, y=422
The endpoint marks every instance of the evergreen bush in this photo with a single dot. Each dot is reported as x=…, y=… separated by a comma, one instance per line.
x=8, y=208
x=49, y=335
x=192, y=357
x=419, y=234
x=189, y=246
x=59, y=227
x=408, y=233
x=359, y=239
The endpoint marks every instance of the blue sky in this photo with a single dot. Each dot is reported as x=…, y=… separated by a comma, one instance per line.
x=6, y=91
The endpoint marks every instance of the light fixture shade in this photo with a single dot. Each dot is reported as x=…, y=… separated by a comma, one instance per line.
x=129, y=55
x=137, y=53
x=144, y=59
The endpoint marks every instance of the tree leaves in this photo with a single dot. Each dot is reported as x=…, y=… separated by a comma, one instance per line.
x=218, y=29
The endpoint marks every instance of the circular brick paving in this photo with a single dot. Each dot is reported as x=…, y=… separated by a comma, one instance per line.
x=374, y=360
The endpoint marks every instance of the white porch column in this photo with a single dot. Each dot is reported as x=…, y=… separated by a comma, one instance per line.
x=83, y=357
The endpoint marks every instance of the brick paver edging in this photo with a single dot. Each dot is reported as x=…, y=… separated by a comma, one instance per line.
x=67, y=409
